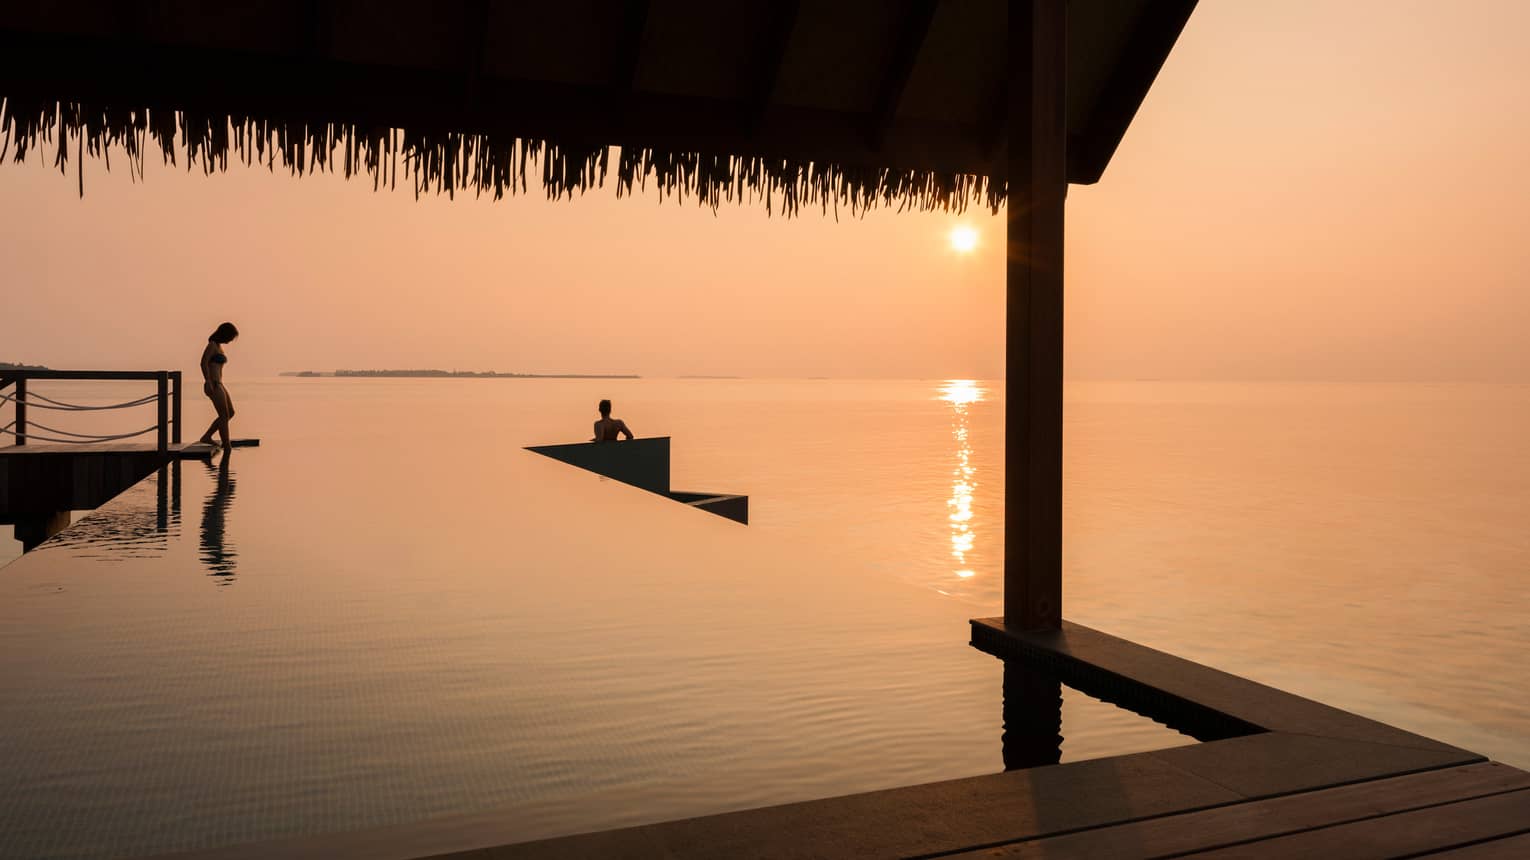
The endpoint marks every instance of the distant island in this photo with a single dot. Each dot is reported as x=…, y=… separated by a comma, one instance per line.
x=6, y=365
x=453, y=374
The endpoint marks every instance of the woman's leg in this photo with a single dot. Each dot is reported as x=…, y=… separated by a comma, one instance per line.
x=225, y=407
x=212, y=394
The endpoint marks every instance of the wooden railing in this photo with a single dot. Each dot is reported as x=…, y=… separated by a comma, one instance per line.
x=167, y=398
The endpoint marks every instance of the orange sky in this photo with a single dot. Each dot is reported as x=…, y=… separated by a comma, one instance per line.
x=1313, y=190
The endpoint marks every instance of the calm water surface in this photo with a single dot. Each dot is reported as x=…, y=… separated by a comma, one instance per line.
x=390, y=612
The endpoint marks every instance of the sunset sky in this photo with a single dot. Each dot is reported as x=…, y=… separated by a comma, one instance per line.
x=1312, y=190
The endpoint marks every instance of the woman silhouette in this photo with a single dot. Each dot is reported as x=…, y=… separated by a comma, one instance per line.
x=213, y=360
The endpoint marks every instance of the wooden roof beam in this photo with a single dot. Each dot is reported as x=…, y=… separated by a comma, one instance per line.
x=777, y=34
x=994, y=136
x=630, y=43
x=629, y=52
x=475, y=39
x=316, y=33
x=915, y=26
x=1157, y=28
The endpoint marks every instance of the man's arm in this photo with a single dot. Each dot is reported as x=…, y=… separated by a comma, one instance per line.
x=621, y=427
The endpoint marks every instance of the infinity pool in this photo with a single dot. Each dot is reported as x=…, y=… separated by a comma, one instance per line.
x=361, y=624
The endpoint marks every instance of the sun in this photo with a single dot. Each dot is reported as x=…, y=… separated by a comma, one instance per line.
x=963, y=239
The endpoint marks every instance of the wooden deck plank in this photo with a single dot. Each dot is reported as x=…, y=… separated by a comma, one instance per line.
x=1273, y=763
x=1509, y=848
x=1404, y=834
x=34, y=449
x=180, y=448
x=1263, y=819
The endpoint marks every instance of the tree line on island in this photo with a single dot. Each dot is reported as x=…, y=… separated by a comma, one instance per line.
x=455, y=374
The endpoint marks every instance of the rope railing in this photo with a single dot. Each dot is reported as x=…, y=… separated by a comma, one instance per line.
x=167, y=397
x=32, y=399
x=83, y=438
x=97, y=436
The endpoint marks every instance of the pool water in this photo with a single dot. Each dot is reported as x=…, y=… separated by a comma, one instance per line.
x=390, y=611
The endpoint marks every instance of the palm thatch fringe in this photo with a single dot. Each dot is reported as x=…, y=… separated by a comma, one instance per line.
x=450, y=162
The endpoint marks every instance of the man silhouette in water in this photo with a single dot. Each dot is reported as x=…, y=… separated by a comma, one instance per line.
x=608, y=429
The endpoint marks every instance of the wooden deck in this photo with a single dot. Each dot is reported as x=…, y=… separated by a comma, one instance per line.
x=1295, y=778
x=41, y=483
x=177, y=450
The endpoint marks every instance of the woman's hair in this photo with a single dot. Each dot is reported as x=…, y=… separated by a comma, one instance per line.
x=605, y=407
x=224, y=333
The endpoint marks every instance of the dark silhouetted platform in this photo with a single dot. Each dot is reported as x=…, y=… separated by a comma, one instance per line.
x=643, y=463
x=41, y=480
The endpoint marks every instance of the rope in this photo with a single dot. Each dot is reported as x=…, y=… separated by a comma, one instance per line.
x=72, y=407
x=86, y=440
x=154, y=426
x=61, y=406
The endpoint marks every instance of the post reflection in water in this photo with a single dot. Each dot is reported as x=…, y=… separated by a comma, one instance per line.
x=961, y=394
x=216, y=553
x=167, y=497
x=139, y=523
x=1032, y=718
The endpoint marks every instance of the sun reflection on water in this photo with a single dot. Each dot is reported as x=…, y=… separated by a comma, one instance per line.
x=961, y=394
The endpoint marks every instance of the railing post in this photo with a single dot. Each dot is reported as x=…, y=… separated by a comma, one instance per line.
x=163, y=380
x=175, y=398
x=21, y=410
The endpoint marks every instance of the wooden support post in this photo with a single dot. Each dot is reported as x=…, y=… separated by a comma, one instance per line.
x=162, y=379
x=33, y=530
x=21, y=411
x=1038, y=139
x=175, y=406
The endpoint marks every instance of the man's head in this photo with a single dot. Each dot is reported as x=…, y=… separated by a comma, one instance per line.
x=605, y=409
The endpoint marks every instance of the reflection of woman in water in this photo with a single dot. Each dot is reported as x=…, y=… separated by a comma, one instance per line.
x=216, y=554
x=213, y=360
x=607, y=429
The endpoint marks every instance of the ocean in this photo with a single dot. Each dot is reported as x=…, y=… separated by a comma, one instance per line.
x=390, y=611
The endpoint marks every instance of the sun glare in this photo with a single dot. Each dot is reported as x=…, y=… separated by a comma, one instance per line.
x=963, y=239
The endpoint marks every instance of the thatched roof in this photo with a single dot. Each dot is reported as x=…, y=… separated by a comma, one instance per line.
x=839, y=103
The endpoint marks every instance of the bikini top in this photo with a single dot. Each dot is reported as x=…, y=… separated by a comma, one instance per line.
x=219, y=358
